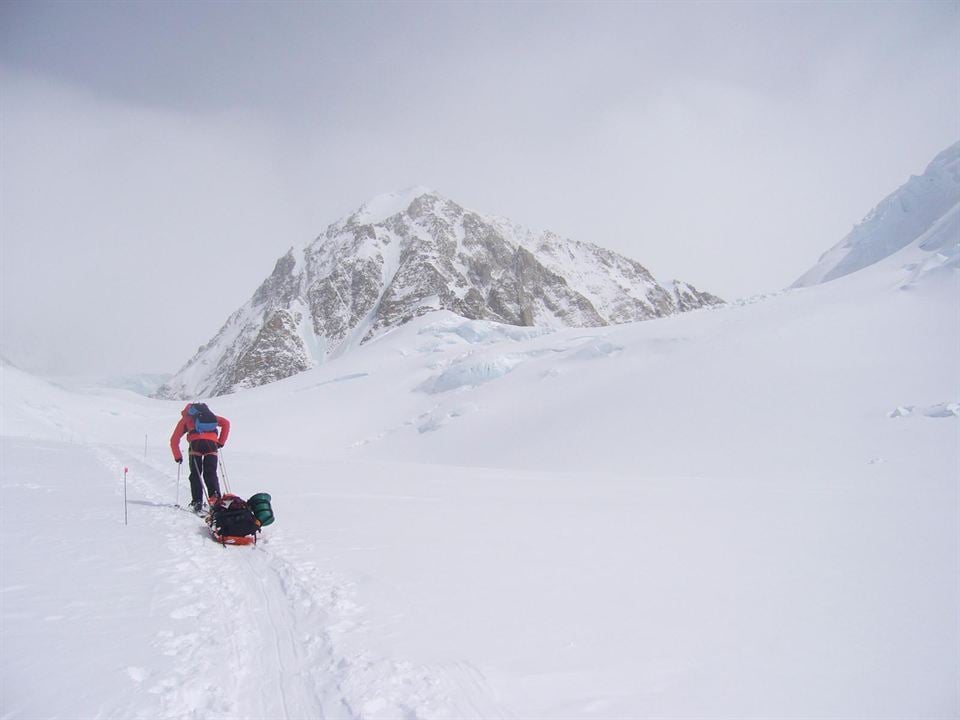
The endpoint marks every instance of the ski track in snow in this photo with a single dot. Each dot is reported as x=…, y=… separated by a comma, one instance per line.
x=248, y=626
x=265, y=618
x=248, y=642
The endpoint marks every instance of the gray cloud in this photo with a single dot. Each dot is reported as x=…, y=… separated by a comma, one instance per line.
x=156, y=158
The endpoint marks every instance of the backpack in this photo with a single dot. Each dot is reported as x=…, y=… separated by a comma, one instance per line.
x=204, y=419
x=231, y=516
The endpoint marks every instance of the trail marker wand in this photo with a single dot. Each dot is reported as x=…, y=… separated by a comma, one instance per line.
x=125, y=496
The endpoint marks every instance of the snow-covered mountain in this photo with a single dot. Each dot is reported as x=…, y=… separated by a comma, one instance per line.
x=406, y=254
x=927, y=204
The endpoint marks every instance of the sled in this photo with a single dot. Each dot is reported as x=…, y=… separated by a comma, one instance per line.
x=232, y=522
x=234, y=539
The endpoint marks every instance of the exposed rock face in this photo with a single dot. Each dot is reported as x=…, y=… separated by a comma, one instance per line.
x=278, y=339
x=407, y=254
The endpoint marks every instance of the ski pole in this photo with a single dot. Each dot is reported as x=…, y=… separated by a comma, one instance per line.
x=125, y=496
x=226, y=481
x=177, y=503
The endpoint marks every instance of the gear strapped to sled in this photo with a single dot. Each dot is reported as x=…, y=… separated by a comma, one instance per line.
x=232, y=521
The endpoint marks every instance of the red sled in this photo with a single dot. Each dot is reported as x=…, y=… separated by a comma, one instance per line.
x=234, y=539
x=232, y=522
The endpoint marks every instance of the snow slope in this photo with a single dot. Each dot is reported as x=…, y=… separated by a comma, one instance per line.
x=384, y=206
x=897, y=221
x=748, y=511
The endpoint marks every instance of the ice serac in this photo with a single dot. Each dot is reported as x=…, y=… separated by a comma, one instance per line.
x=406, y=254
x=902, y=217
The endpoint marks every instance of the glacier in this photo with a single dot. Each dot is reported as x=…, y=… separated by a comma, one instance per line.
x=747, y=511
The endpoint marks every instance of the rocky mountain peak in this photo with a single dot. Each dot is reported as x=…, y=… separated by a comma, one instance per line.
x=384, y=206
x=408, y=253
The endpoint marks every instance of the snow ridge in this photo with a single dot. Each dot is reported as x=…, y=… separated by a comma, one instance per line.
x=897, y=221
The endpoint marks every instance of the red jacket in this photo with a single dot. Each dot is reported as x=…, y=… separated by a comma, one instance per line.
x=187, y=426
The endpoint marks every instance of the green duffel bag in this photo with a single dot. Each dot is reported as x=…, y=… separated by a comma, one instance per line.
x=260, y=504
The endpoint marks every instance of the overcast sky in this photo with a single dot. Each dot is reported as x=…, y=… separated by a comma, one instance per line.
x=157, y=158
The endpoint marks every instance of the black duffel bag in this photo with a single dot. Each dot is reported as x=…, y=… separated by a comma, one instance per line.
x=231, y=516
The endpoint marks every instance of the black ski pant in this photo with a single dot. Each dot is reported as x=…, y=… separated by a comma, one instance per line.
x=205, y=465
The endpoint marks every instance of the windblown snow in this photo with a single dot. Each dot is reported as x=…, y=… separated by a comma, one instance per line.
x=384, y=206
x=748, y=511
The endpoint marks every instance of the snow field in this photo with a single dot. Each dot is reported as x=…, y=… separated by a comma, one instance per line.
x=745, y=512
x=154, y=619
x=148, y=620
